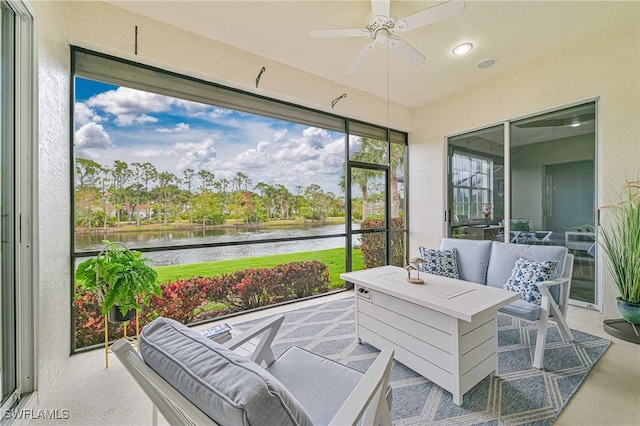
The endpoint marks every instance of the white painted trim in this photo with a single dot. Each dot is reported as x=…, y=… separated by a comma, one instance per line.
x=26, y=136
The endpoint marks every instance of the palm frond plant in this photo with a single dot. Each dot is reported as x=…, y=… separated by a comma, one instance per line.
x=620, y=240
x=120, y=277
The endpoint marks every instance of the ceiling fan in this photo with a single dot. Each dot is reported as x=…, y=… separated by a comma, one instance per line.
x=384, y=29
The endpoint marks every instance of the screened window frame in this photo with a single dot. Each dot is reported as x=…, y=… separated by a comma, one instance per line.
x=123, y=72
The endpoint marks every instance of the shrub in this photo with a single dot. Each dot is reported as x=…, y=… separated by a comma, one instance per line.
x=373, y=245
x=183, y=300
x=203, y=298
x=252, y=288
x=303, y=279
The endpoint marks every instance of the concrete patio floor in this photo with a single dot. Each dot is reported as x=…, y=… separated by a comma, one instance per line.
x=94, y=395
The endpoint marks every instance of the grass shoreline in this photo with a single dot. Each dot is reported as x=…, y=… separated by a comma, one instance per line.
x=333, y=258
x=229, y=224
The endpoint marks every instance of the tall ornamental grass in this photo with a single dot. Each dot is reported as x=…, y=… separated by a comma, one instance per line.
x=620, y=240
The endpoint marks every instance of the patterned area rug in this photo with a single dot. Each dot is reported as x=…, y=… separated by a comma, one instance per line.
x=519, y=394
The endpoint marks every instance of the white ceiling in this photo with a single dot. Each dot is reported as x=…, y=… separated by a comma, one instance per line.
x=514, y=33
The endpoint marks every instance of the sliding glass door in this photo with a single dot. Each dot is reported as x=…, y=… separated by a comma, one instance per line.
x=7, y=209
x=543, y=168
x=16, y=189
x=553, y=188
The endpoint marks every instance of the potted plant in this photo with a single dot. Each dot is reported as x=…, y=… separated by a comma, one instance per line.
x=121, y=278
x=620, y=240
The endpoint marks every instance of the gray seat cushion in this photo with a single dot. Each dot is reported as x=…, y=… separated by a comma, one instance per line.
x=522, y=309
x=320, y=384
x=473, y=258
x=504, y=255
x=227, y=387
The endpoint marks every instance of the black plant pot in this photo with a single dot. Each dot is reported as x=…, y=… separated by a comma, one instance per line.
x=115, y=315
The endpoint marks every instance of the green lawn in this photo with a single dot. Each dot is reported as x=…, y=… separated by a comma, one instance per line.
x=333, y=258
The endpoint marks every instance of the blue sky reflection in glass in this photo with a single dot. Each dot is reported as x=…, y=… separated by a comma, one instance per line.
x=119, y=123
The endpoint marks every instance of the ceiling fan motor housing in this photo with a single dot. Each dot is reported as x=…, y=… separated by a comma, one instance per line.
x=382, y=28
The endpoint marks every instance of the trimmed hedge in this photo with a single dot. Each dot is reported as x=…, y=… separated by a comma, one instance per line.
x=203, y=298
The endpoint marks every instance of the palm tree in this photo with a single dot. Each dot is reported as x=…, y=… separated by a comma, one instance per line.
x=374, y=151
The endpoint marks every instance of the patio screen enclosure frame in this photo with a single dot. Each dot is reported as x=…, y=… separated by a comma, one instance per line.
x=104, y=68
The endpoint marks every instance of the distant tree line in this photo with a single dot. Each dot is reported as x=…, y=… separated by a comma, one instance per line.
x=139, y=193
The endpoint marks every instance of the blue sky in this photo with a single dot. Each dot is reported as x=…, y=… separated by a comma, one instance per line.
x=119, y=123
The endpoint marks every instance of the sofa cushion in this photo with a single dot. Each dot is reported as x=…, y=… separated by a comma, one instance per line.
x=504, y=255
x=473, y=258
x=227, y=387
x=524, y=276
x=439, y=262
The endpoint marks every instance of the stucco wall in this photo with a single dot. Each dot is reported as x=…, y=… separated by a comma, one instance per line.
x=54, y=307
x=607, y=68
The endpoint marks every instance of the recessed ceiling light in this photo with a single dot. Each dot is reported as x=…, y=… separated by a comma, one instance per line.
x=486, y=63
x=575, y=124
x=463, y=48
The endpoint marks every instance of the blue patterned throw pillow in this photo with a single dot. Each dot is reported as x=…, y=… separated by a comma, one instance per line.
x=440, y=262
x=524, y=276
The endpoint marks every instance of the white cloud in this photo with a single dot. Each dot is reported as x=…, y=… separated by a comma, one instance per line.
x=308, y=147
x=180, y=128
x=281, y=135
x=311, y=157
x=191, y=107
x=92, y=135
x=130, y=101
x=83, y=114
x=252, y=159
x=195, y=155
x=124, y=120
x=220, y=112
x=153, y=153
x=316, y=137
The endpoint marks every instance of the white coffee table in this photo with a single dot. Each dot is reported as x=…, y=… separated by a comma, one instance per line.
x=445, y=329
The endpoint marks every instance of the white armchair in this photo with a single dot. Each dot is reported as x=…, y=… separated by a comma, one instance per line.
x=193, y=380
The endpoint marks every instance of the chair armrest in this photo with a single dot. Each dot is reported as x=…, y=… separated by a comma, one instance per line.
x=549, y=283
x=263, y=350
x=367, y=400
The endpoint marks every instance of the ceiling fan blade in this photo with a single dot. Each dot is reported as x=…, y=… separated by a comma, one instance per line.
x=431, y=15
x=339, y=33
x=403, y=49
x=361, y=57
x=380, y=7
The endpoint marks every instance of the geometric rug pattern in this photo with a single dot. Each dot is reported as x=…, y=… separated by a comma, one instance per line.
x=519, y=394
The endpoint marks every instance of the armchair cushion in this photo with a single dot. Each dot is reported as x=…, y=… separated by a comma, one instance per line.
x=229, y=388
x=303, y=373
x=439, y=262
x=524, y=276
x=522, y=309
x=504, y=256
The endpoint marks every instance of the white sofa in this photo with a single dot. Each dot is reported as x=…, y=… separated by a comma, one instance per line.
x=491, y=263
